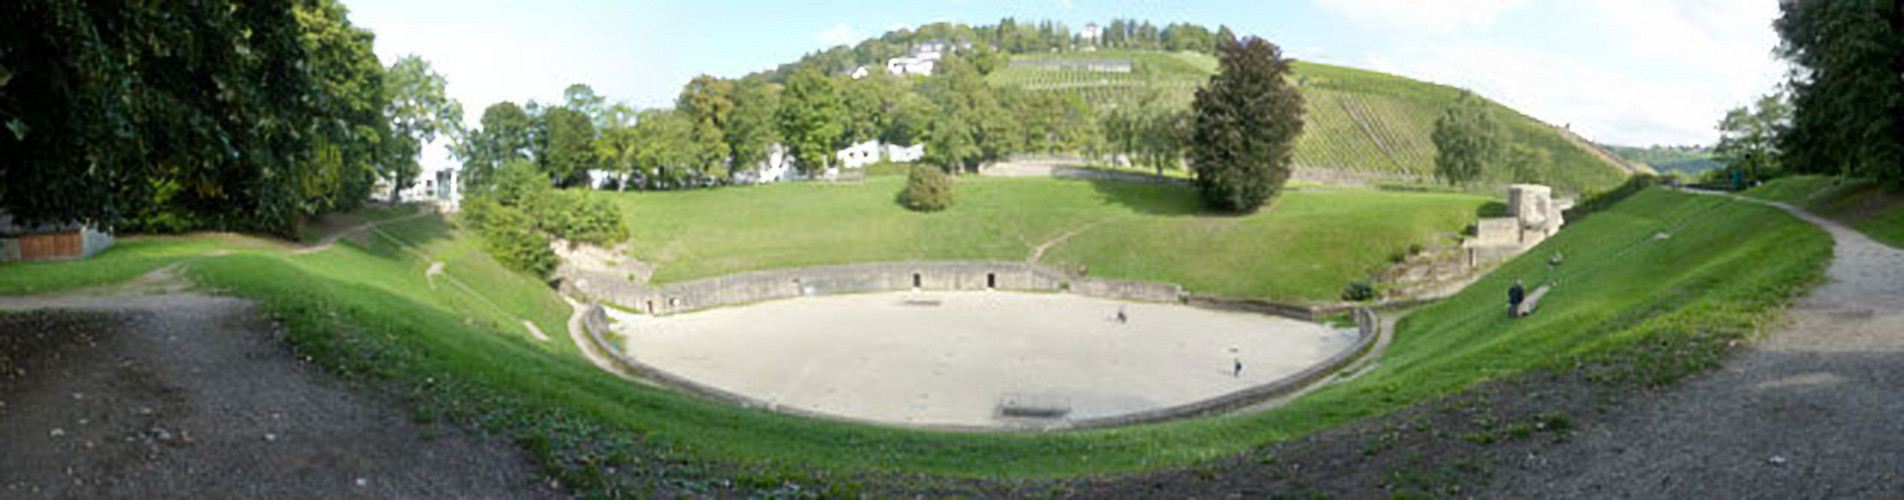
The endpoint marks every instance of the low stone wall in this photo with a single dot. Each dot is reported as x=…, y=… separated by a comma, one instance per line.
x=9, y=249
x=1368, y=329
x=758, y=286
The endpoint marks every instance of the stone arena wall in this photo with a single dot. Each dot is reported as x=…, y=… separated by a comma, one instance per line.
x=759, y=286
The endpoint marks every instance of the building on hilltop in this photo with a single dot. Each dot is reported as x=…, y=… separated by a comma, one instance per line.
x=858, y=73
x=49, y=242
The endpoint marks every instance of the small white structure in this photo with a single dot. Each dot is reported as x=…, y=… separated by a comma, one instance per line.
x=1091, y=34
x=608, y=180
x=904, y=154
x=776, y=168
x=438, y=184
x=859, y=155
x=906, y=66
x=859, y=72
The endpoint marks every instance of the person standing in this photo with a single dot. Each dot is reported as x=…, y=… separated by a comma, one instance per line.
x=1237, y=370
x=1515, y=294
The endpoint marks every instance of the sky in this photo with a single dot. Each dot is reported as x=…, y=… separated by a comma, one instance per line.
x=1634, y=72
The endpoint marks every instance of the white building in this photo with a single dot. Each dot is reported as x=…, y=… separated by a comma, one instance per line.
x=859, y=72
x=859, y=155
x=776, y=168
x=1091, y=34
x=606, y=180
x=904, y=154
x=904, y=66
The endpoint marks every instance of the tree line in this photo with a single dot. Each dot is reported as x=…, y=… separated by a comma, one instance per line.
x=991, y=46
x=220, y=114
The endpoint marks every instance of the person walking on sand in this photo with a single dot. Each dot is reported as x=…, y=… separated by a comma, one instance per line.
x=1121, y=317
x=1237, y=370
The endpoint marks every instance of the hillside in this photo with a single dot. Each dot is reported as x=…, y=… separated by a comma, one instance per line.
x=1362, y=125
x=1690, y=160
x=1299, y=251
x=1861, y=204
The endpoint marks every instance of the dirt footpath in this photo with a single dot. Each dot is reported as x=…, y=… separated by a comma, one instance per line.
x=1815, y=411
x=184, y=395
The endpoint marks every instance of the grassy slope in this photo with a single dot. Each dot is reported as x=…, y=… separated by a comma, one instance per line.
x=1861, y=204
x=1358, y=121
x=368, y=312
x=1307, y=248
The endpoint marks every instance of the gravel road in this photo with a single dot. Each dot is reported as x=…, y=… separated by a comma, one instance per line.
x=179, y=395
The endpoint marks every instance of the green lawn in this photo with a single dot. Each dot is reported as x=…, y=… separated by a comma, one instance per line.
x=1306, y=248
x=368, y=312
x=1861, y=204
x=126, y=259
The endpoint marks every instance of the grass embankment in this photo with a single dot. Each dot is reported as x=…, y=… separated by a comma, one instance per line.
x=1624, y=294
x=1863, y=205
x=1306, y=248
x=1367, y=125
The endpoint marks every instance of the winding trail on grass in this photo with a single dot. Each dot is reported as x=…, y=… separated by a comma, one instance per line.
x=330, y=240
x=1815, y=410
x=1038, y=252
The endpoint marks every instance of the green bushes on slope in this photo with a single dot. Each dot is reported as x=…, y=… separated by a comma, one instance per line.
x=518, y=216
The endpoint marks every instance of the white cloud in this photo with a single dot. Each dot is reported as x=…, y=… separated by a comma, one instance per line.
x=1622, y=71
x=838, y=34
x=1420, y=15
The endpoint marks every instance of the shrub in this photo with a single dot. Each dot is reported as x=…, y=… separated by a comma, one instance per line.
x=1359, y=291
x=510, y=236
x=1602, y=201
x=928, y=189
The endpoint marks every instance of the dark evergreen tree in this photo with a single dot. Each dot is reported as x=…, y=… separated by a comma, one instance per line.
x=1247, y=120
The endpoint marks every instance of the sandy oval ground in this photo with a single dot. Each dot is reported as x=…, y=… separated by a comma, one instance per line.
x=949, y=358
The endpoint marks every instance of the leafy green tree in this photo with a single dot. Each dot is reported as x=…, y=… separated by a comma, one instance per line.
x=666, y=157
x=971, y=127
x=349, y=88
x=810, y=119
x=419, y=113
x=1245, y=128
x=569, y=148
x=503, y=138
x=1847, y=96
x=200, y=114
x=1749, y=137
x=751, y=129
x=582, y=98
x=1468, y=140
x=1526, y=163
x=707, y=103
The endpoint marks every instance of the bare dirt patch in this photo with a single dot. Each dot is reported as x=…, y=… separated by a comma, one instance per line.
x=189, y=395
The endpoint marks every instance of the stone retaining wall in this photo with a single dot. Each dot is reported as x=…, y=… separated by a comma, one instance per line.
x=1368, y=328
x=758, y=286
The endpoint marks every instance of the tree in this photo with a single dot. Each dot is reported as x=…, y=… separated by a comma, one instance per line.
x=582, y=98
x=346, y=152
x=1247, y=120
x=750, y=128
x=1468, y=139
x=810, y=115
x=569, y=147
x=707, y=103
x=971, y=127
x=503, y=138
x=928, y=189
x=1748, y=141
x=1846, y=94
x=200, y=114
x=419, y=113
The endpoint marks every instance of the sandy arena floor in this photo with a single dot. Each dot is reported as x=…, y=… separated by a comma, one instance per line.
x=947, y=358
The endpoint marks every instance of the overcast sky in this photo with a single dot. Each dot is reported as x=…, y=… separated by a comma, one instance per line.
x=1621, y=71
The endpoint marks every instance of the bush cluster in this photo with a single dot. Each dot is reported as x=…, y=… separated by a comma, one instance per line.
x=928, y=189
x=518, y=217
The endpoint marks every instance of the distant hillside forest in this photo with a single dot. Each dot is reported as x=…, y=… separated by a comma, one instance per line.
x=1691, y=160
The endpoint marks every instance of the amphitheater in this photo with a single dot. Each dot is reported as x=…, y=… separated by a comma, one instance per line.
x=964, y=345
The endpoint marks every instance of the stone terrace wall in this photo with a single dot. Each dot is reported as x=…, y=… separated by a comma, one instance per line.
x=761, y=286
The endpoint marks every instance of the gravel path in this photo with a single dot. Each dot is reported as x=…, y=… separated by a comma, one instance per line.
x=182, y=395
x=1814, y=411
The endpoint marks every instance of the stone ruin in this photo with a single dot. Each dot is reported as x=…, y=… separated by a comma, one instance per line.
x=1533, y=216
